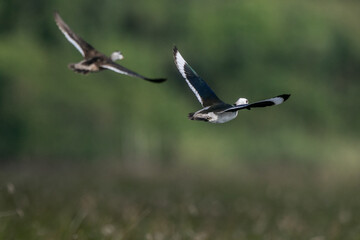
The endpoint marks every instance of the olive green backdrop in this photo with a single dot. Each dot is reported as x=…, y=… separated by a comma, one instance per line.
x=253, y=49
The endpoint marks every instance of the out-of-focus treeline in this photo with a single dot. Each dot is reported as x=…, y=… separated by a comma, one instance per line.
x=254, y=49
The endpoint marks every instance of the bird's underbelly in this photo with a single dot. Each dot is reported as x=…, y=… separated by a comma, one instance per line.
x=82, y=67
x=225, y=117
x=214, y=117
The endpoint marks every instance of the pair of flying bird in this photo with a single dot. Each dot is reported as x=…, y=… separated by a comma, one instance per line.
x=214, y=110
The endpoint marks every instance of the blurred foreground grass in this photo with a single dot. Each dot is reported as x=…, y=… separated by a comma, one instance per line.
x=121, y=202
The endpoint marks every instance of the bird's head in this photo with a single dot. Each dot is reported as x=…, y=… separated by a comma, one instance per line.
x=241, y=101
x=116, y=56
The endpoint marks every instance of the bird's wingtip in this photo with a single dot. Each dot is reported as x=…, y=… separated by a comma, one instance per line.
x=175, y=49
x=285, y=96
x=156, y=80
x=56, y=14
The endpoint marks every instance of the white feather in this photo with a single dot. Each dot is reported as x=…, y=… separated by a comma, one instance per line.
x=225, y=117
x=73, y=42
x=216, y=117
x=114, y=69
x=180, y=63
x=277, y=100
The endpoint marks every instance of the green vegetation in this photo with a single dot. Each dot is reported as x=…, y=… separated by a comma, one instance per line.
x=114, y=203
x=252, y=49
x=274, y=173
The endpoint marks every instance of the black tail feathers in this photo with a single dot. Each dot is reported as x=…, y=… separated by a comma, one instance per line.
x=191, y=116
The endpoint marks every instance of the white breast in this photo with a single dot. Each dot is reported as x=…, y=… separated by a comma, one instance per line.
x=224, y=117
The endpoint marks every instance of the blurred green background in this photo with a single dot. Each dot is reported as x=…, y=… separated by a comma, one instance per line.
x=250, y=49
x=50, y=115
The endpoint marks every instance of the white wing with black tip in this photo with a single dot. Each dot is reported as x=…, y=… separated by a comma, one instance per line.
x=202, y=91
x=81, y=45
x=264, y=103
x=122, y=70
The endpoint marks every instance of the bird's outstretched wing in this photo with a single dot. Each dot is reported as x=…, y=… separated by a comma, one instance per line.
x=202, y=91
x=122, y=70
x=81, y=45
x=264, y=103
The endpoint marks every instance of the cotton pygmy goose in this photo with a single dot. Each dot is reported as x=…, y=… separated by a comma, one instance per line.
x=95, y=61
x=214, y=110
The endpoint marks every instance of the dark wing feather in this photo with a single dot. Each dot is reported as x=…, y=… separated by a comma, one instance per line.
x=264, y=103
x=202, y=91
x=122, y=70
x=81, y=45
